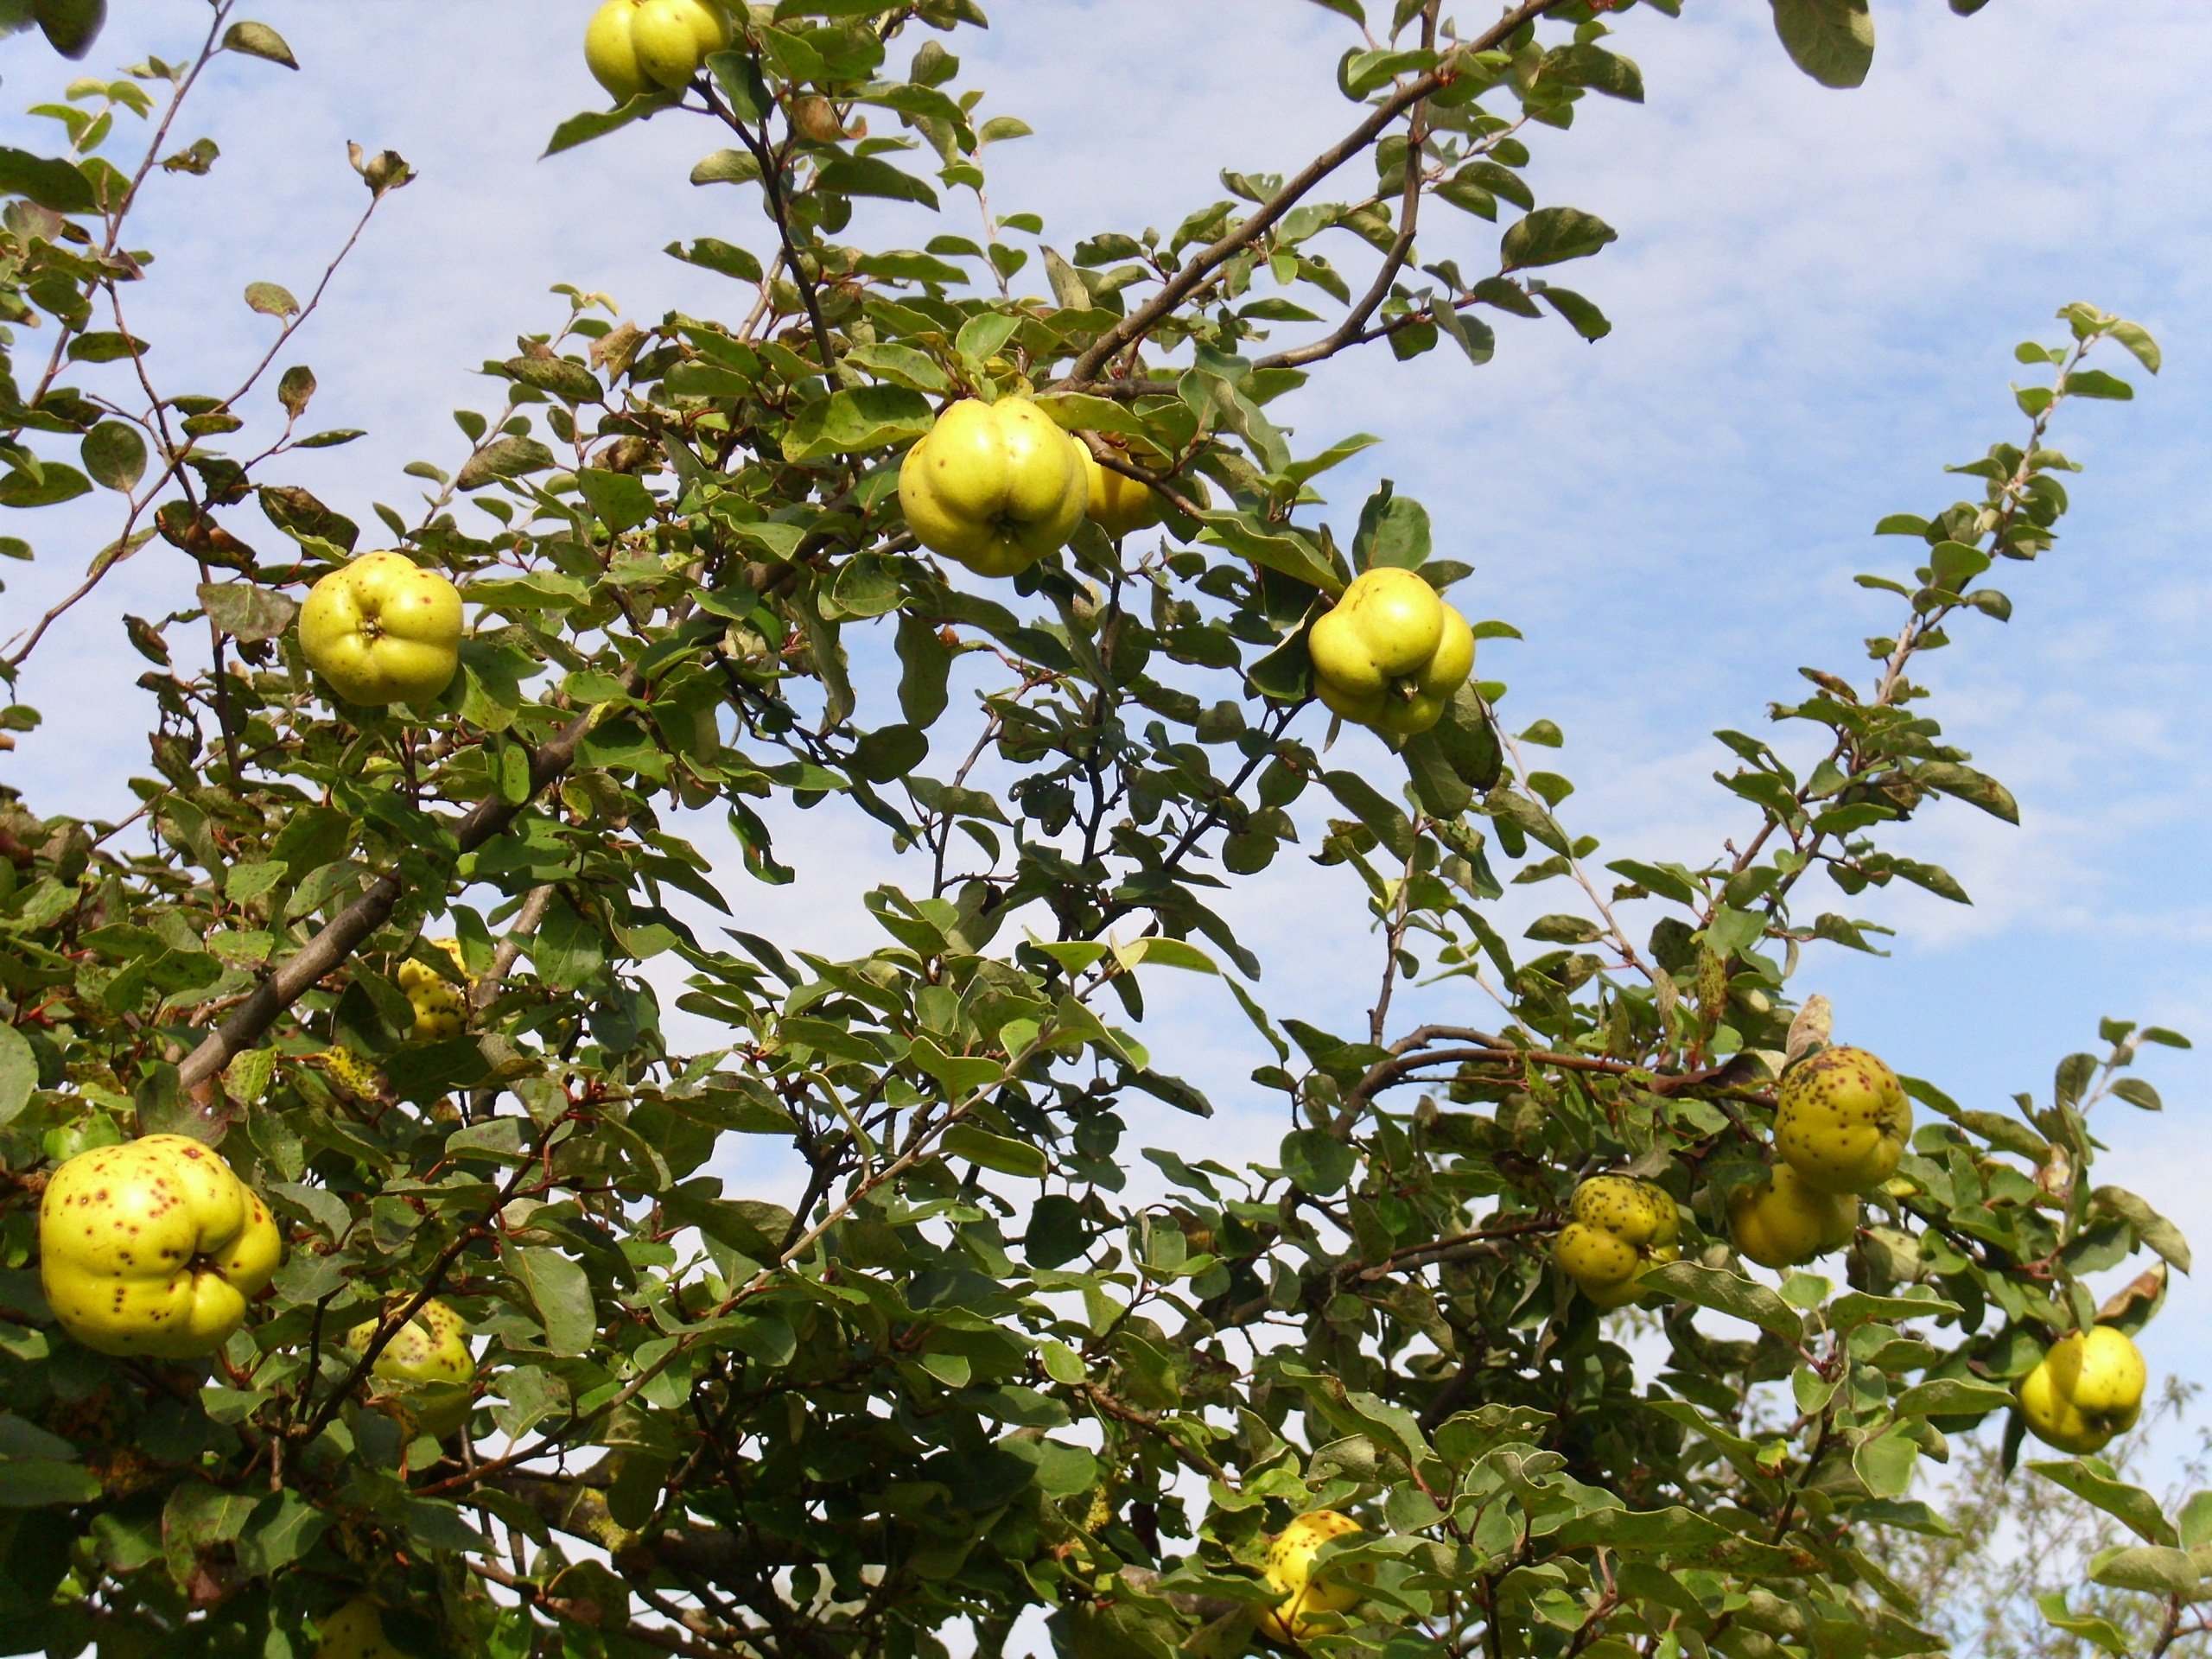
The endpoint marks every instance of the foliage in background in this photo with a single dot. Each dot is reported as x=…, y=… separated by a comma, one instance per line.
x=964, y=1377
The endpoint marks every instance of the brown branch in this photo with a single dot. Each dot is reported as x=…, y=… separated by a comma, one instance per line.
x=345, y=932
x=772, y=187
x=1178, y=286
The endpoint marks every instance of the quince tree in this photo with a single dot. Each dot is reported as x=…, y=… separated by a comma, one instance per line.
x=418, y=1313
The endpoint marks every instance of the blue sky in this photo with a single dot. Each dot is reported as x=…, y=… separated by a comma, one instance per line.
x=1815, y=296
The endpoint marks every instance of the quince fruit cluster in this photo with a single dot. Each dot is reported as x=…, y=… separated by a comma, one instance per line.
x=636, y=46
x=1841, y=1122
x=1391, y=653
x=1618, y=1229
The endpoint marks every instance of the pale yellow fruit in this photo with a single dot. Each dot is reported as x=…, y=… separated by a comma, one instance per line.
x=1782, y=1222
x=1618, y=1229
x=152, y=1247
x=423, y=1374
x=2088, y=1389
x=1390, y=653
x=1118, y=504
x=994, y=486
x=356, y=1631
x=1841, y=1120
x=633, y=46
x=1310, y=1604
x=382, y=629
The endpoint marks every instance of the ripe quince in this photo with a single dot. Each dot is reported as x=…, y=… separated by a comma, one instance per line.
x=1782, y=1222
x=1618, y=1227
x=422, y=1376
x=1309, y=1604
x=1840, y=1121
x=441, y=1006
x=1118, y=504
x=634, y=45
x=383, y=629
x=1391, y=653
x=994, y=486
x=2088, y=1389
x=152, y=1247
x=356, y=1631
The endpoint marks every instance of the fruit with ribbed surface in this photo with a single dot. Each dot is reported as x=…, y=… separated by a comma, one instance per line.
x=383, y=630
x=635, y=45
x=153, y=1248
x=1782, y=1222
x=993, y=487
x=1391, y=653
x=423, y=1374
x=2085, y=1390
x=1618, y=1227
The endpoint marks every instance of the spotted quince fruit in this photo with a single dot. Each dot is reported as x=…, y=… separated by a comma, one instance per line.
x=383, y=629
x=1842, y=1120
x=1618, y=1227
x=152, y=1247
x=1312, y=1602
x=441, y=1006
x=424, y=1376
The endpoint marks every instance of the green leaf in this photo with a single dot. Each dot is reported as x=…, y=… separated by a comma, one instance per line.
x=114, y=455
x=961, y=1074
x=1952, y=1396
x=2096, y=382
x=1394, y=531
x=617, y=500
x=1280, y=549
x=996, y=1152
x=856, y=419
x=710, y=253
x=1727, y=1293
x=1965, y=784
x=504, y=457
x=34, y=1483
x=561, y=1291
x=52, y=184
x=246, y=611
x=1886, y=1461
x=258, y=41
x=2161, y=1570
x=271, y=300
x=18, y=1072
x=2132, y=1505
x=1551, y=235
x=1832, y=41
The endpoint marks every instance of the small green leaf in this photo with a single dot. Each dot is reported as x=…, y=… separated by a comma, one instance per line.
x=258, y=41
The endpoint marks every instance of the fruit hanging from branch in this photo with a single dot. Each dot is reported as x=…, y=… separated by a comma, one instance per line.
x=2085, y=1390
x=152, y=1247
x=441, y=1006
x=1620, y=1228
x=634, y=45
x=1841, y=1120
x=1312, y=1602
x=383, y=630
x=1391, y=653
x=422, y=1376
x=1780, y=1222
x=1117, y=504
x=356, y=1631
x=994, y=486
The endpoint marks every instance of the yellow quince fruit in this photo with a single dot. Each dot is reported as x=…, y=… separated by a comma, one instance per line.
x=1310, y=1603
x=2086, y=1389
x=1782, y=1222
x=383, y=630
x=152, y=1247
x=1618, y=1227
x=441, y=1006
x=634, y=45
x=425, y=1374
x=994, y=486
x=1391, y=653
x=1841, y=1120
x=1117, y=504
